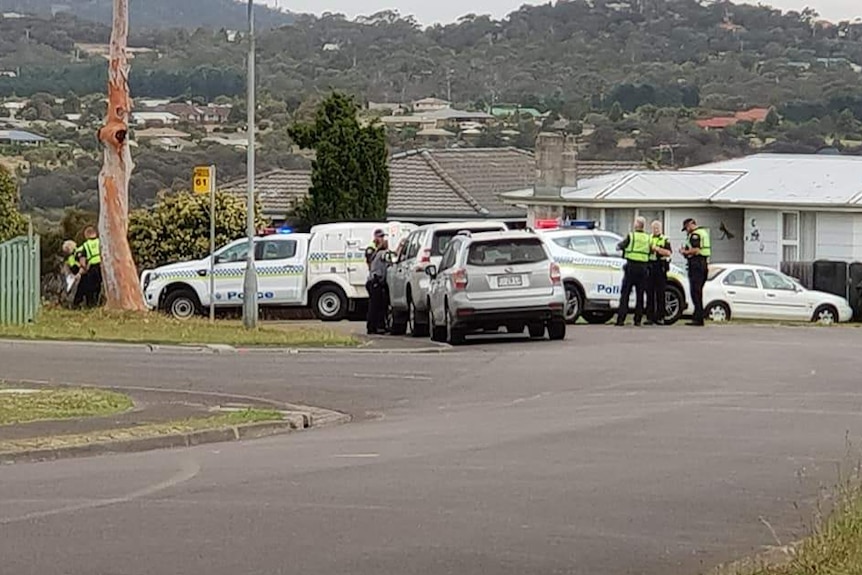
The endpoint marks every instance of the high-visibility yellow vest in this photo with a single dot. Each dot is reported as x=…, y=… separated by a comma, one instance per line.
x=659, y=241
x=705, y=245
x=72, y=260
x=638, y=249
x=92, y=252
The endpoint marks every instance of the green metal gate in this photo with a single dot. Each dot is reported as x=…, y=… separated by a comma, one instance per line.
x=20, y=291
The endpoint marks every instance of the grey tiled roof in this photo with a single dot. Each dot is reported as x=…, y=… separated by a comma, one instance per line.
x=278, y=191
x=463, y=182
x=445, y=183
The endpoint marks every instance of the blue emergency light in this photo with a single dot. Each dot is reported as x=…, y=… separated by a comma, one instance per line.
x=581, y=224
x=284, y=230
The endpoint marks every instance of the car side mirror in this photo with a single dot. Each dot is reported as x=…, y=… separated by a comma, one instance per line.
x=391, y=257
x=431, y=272
x=217, y=259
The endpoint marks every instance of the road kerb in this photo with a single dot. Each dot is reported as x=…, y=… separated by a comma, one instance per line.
x=294, y=421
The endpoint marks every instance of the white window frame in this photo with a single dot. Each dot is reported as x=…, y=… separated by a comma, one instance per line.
x=784, y=241
x=663, y=217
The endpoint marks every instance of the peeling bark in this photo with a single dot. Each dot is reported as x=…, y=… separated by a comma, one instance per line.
x=122, y=288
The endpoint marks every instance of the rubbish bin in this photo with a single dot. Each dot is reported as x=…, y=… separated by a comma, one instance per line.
x=831, y=277
x=855, y=290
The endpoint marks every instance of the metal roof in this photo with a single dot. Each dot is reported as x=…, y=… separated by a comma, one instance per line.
x=763, y=179
x=20, y=136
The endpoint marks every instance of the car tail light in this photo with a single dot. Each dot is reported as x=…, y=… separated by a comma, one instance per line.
x=556, y=275
x=459, y=278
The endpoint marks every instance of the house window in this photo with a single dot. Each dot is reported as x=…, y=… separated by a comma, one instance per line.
x=808, y=236
x=789, y=236
x=591, y=215
x=619, y=220
x=651, y=216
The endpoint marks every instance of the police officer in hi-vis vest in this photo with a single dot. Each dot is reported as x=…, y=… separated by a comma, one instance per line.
x=697, y=250
x=659, y=265
x=90, y=261
x=636, y=248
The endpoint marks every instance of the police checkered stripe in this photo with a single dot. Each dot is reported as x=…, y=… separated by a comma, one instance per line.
x=588, y=263
x=336, y=257
x=179, y=274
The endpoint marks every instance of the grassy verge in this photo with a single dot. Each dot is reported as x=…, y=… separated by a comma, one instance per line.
x=100, y=325
x=16, y=407
x=833, y=548
x=220, y=421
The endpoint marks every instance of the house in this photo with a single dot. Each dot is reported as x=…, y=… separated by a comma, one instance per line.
x=427, y=185
x=154, y=118
x=154, y=133
x=20, y=138
x=188, y=112
x=764, y=209
x=430, y=105
x=752, y=115
x=278, y=191
x=238, y=140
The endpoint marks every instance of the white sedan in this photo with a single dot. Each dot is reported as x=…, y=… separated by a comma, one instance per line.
x=756, y=292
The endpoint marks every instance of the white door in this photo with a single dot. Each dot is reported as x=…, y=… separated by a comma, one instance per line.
x=280, y=272
x=229, y=271
x=782, y=297
x=745, y=297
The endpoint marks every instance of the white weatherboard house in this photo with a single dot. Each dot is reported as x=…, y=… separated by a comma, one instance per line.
x=764, y=209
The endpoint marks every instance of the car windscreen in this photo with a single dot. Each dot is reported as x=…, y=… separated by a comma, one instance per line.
x=443, y=237
x=714, y=272
x=506, y=252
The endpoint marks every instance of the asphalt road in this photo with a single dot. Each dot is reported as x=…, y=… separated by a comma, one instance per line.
x=618, y=451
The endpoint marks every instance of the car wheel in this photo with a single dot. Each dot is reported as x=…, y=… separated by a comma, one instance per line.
x=718, y=311
x=537, y=330
x=674, y=304
x=182, y=304
x=825, y=315
x=418, y=328
x=454, y=335
x=574, y=303
x=330, y=303
x=557, y=329
x=598, y=317
x=438, y=332
x=399, y=322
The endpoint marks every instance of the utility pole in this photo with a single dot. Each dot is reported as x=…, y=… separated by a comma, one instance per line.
x=249, y=286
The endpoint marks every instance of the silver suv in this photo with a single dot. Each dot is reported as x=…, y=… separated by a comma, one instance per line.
x=490, y=280
x=408, y=284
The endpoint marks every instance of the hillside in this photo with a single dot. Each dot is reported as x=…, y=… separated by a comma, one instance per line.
x=156, y=14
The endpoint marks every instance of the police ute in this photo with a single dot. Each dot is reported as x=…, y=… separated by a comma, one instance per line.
x=592, y=272
x=324, y=269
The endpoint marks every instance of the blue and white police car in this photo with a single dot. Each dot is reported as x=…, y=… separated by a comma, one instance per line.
x=592, y=271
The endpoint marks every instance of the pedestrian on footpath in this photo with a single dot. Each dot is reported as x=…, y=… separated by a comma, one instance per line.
x=90, y=262
x=636, y=248
x=376, y=285
x=659, y=265
x=697, y=250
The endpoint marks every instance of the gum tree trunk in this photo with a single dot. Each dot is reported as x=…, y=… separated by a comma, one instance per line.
x=122, y=288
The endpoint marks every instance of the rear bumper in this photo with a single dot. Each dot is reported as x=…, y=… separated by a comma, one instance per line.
x=467, y=316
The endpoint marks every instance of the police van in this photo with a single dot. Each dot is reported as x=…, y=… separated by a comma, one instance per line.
x=324, y=269
x=592, y=272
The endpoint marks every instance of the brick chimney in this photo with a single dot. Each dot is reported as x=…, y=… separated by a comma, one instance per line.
x=556, y=164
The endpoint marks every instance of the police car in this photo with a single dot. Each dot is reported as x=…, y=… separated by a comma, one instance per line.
x=592, y=271
x=324, y=269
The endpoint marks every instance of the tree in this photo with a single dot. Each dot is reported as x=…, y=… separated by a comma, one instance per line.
x=12, y=223
x=350, y=175
x=122, y=288
x=847, y=125
x=177, y=227
x=616, y=113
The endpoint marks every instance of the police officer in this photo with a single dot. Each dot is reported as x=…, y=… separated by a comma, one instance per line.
x=71, y=268
x=376, y=285
x=90, y=262
x=697, y=250
x=659, y=265
x=636, y=248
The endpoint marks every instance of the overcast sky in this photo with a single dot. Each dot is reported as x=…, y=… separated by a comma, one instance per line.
x=429, y=12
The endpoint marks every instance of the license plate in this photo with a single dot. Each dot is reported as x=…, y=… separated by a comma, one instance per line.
x=509, y=281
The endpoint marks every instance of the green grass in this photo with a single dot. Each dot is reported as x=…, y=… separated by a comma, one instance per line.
x=219, y=421
x=156, y=328
x=834, y=546
x=59, y=404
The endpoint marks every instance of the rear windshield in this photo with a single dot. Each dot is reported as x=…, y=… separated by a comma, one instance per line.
x=443, y=237
x=507, y=252
x=713, y=273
